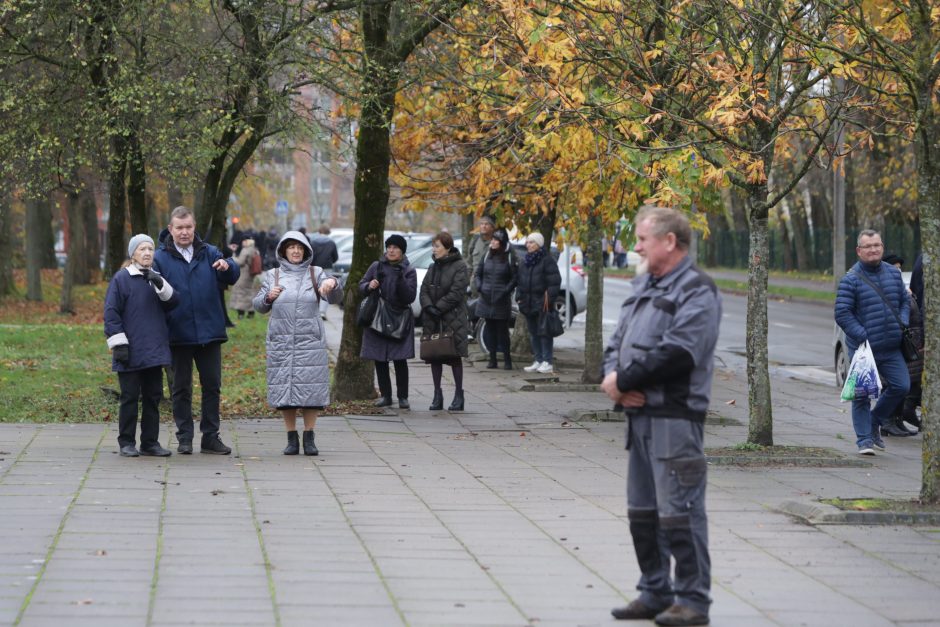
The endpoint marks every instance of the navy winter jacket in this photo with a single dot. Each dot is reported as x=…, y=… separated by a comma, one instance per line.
x=863, y=314
x=134, y=314
x=199, y=319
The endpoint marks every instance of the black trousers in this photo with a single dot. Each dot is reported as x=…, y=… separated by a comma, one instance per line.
x=385, y=380
x=208, y=360
x=140, y=388
x=497, y=335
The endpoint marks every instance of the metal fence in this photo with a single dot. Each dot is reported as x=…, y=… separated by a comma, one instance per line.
x=729, y=249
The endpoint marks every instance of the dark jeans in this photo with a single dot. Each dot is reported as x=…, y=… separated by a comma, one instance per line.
x=497, y=335
x=145, y=388
x=385, y=379
x=896, y=383
x=208, y=359
x=541, y=344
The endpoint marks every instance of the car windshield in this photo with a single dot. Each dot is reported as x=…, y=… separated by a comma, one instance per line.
x=422, y=258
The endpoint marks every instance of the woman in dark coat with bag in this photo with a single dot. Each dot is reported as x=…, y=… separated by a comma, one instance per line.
x=444, y=308
x=538, y=276
x=397, y=283
x=495, y=279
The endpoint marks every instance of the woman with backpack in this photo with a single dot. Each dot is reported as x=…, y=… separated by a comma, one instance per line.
x=249, y=263
x=298, y=365
x=495, y=279
x=538, y=285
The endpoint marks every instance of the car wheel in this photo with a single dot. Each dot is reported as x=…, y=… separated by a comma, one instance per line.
x=842, y=364
x=481, y=337
x=560, y=307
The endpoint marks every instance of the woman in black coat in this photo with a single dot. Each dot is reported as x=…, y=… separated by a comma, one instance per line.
x=444, y=308
x=495, y=279
x=538, y=276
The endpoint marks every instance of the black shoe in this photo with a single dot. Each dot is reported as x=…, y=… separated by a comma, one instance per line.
x=634, y=611
x=679, y=615
x=154, y=450
x=899, y=423
x=310, y=447
x=457, y=403
x=293, y=444
x=492, y=362
x=893, y=430
x=403, y=403
x=129, y=450
x=185, y=447
x=507, y=365
x=212, y=444
x=383, y=401
x=438, y=401
x=910, y=417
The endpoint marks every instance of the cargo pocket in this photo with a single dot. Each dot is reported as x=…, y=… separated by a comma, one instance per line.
x=686, y=486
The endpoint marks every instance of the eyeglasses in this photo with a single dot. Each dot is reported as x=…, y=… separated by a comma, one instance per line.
x=871, y=246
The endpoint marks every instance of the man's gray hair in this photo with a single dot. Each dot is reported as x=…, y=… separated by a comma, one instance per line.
x=866, y=233
x=666, y=220
x=181, y=213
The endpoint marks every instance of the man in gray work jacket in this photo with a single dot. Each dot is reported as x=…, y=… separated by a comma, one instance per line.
x=658, y=367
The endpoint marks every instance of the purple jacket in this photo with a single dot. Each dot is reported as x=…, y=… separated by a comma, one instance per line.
x=399, y=286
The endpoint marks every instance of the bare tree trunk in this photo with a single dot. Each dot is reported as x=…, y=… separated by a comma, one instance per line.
x=33, y=250
x=76, y=253
x=800, y=228
x=593, y=328
x=92, y=246
x=136, y=187
x=45, y=238
x=7, y=286
x=117, y=209
x=760, y=427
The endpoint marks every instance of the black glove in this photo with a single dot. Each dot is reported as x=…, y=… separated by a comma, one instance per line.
x=433, y=311
x=154, y=277
x=121, y=353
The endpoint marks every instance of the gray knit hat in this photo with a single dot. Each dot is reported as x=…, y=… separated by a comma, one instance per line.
x=136, y=241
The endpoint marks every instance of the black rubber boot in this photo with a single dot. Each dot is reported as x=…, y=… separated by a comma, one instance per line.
x=507, y=365
x=457, y=403
x=293, y=444
x=310, y=447
x=492, y=363
x=438, y=401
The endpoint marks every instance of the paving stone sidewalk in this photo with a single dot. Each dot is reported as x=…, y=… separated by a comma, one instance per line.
x=505, y=514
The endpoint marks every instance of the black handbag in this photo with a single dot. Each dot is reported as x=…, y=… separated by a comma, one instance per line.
x=440, y=346
x=549, y=322
x=390, y=321
x=367, y=309
x=908, y=345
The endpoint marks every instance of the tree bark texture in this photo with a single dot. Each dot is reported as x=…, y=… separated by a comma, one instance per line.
x=45, y=239
x=76, y=252
x=136, y=186
x=33, y=250
x=760, y=426
x=593, y=327
x=92, y=244
x=7, y=286
x=117, y=209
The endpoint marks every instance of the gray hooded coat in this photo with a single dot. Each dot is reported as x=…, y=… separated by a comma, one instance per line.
x=298, y=363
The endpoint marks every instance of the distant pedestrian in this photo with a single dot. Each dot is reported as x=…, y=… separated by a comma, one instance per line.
x=869, y=302
x=197, y=326
x=479, y=244
x=135, y=325
x=298, y=366
x=444, y=308
x=324, y=256
x=658, y=367
x=495, y=280
x=397, y=283
x=244, y=289
x=538, y=283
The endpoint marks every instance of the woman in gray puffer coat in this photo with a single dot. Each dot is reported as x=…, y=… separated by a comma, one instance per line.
x=297, y=361
x=444, y=308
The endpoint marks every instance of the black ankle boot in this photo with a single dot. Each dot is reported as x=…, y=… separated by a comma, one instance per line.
x=383, y=401
x=507, y=365
x=438, y=401
x=492, y=363
x=293, y=444
x=457, y=404
x=310, y=447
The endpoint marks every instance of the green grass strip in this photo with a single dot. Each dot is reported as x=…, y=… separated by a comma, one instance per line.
x=152, y=600
x=58, y=533
x=272, y=590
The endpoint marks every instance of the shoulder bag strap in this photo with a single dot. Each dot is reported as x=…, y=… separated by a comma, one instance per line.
x=545, y=301
x=881, y=293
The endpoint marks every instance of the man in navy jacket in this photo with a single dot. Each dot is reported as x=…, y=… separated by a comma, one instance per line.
x=197, y=326
x=869, y=316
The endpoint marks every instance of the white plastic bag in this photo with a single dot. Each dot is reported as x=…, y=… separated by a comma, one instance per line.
x=863, y=381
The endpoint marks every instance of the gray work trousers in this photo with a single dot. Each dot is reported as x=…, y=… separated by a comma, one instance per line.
x=666, y=477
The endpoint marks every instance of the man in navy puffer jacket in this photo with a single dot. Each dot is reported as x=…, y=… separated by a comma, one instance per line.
x=197, y=326
x=865, y=316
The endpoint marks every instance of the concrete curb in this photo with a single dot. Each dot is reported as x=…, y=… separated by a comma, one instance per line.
x=822, y=514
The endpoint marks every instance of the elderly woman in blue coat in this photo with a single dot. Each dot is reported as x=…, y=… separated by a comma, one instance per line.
x=136, y=329
x=298, y=363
